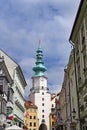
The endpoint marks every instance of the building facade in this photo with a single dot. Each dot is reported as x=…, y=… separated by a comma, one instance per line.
x=72, y=95
x=18, y=87
x=39, y=93
x=78, y=39
x=31, y=116
x=69, y=108
x=6, y=93
x=53, y=112
x=64, y=104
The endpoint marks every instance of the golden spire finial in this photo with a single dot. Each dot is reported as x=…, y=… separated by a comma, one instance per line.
x=39, y=42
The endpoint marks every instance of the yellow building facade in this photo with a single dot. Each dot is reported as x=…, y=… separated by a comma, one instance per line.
x=52, y=121
x=31, y=116
x=53, y=112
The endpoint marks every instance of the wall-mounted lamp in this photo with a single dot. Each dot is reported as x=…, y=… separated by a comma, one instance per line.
x=74, y=113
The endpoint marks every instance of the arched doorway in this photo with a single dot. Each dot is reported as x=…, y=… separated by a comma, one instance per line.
x=43, y=127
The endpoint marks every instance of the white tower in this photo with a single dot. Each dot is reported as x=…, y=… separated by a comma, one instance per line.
x=39, y=93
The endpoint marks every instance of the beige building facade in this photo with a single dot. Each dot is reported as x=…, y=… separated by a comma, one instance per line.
x=78, y=39
x=62, y=99
x=68, y=98
x=72, y=97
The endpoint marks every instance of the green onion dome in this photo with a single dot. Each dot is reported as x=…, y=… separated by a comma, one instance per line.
x=39, y=69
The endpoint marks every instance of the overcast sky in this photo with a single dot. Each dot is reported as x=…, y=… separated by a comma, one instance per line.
x=24, y=22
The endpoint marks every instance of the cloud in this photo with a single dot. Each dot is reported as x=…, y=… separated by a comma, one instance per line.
x=55, y=88
x=27, y=89
x=27, y=64
x=24, y=22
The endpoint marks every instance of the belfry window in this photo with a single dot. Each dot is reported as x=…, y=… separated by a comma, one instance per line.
x=42, y=93
x=42, y=87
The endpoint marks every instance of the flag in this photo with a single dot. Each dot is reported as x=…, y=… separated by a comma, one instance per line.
x=10, y=115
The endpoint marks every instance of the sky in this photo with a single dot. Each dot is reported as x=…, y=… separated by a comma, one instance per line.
x=24, y=22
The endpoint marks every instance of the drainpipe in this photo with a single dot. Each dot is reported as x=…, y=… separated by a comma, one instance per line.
x=76, y=83
x=69, y=97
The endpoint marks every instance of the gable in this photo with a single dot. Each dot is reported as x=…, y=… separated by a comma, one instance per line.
x=9, y=62
x=4, y=71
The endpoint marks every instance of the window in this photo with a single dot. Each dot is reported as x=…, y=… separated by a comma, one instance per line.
x=9, y=109
x=1, y=89
x=4, y=110
x=42, y=99
x=52, y=116
x=30, y=117
x=42, y=93
x=42, y=104
x=42, y=116
x=34, y=117
x=1, y=86
x=30, y=123
x=1, y=71
x=52, y=105
x=5, y=87
x=53, y=123
x=34, y=124
x=84, y=60
x=42, y=110
x=10, y=94
x=42, y=87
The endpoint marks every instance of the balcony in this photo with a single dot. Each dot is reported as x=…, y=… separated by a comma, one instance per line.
x=17, y=102
x=10, y=104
